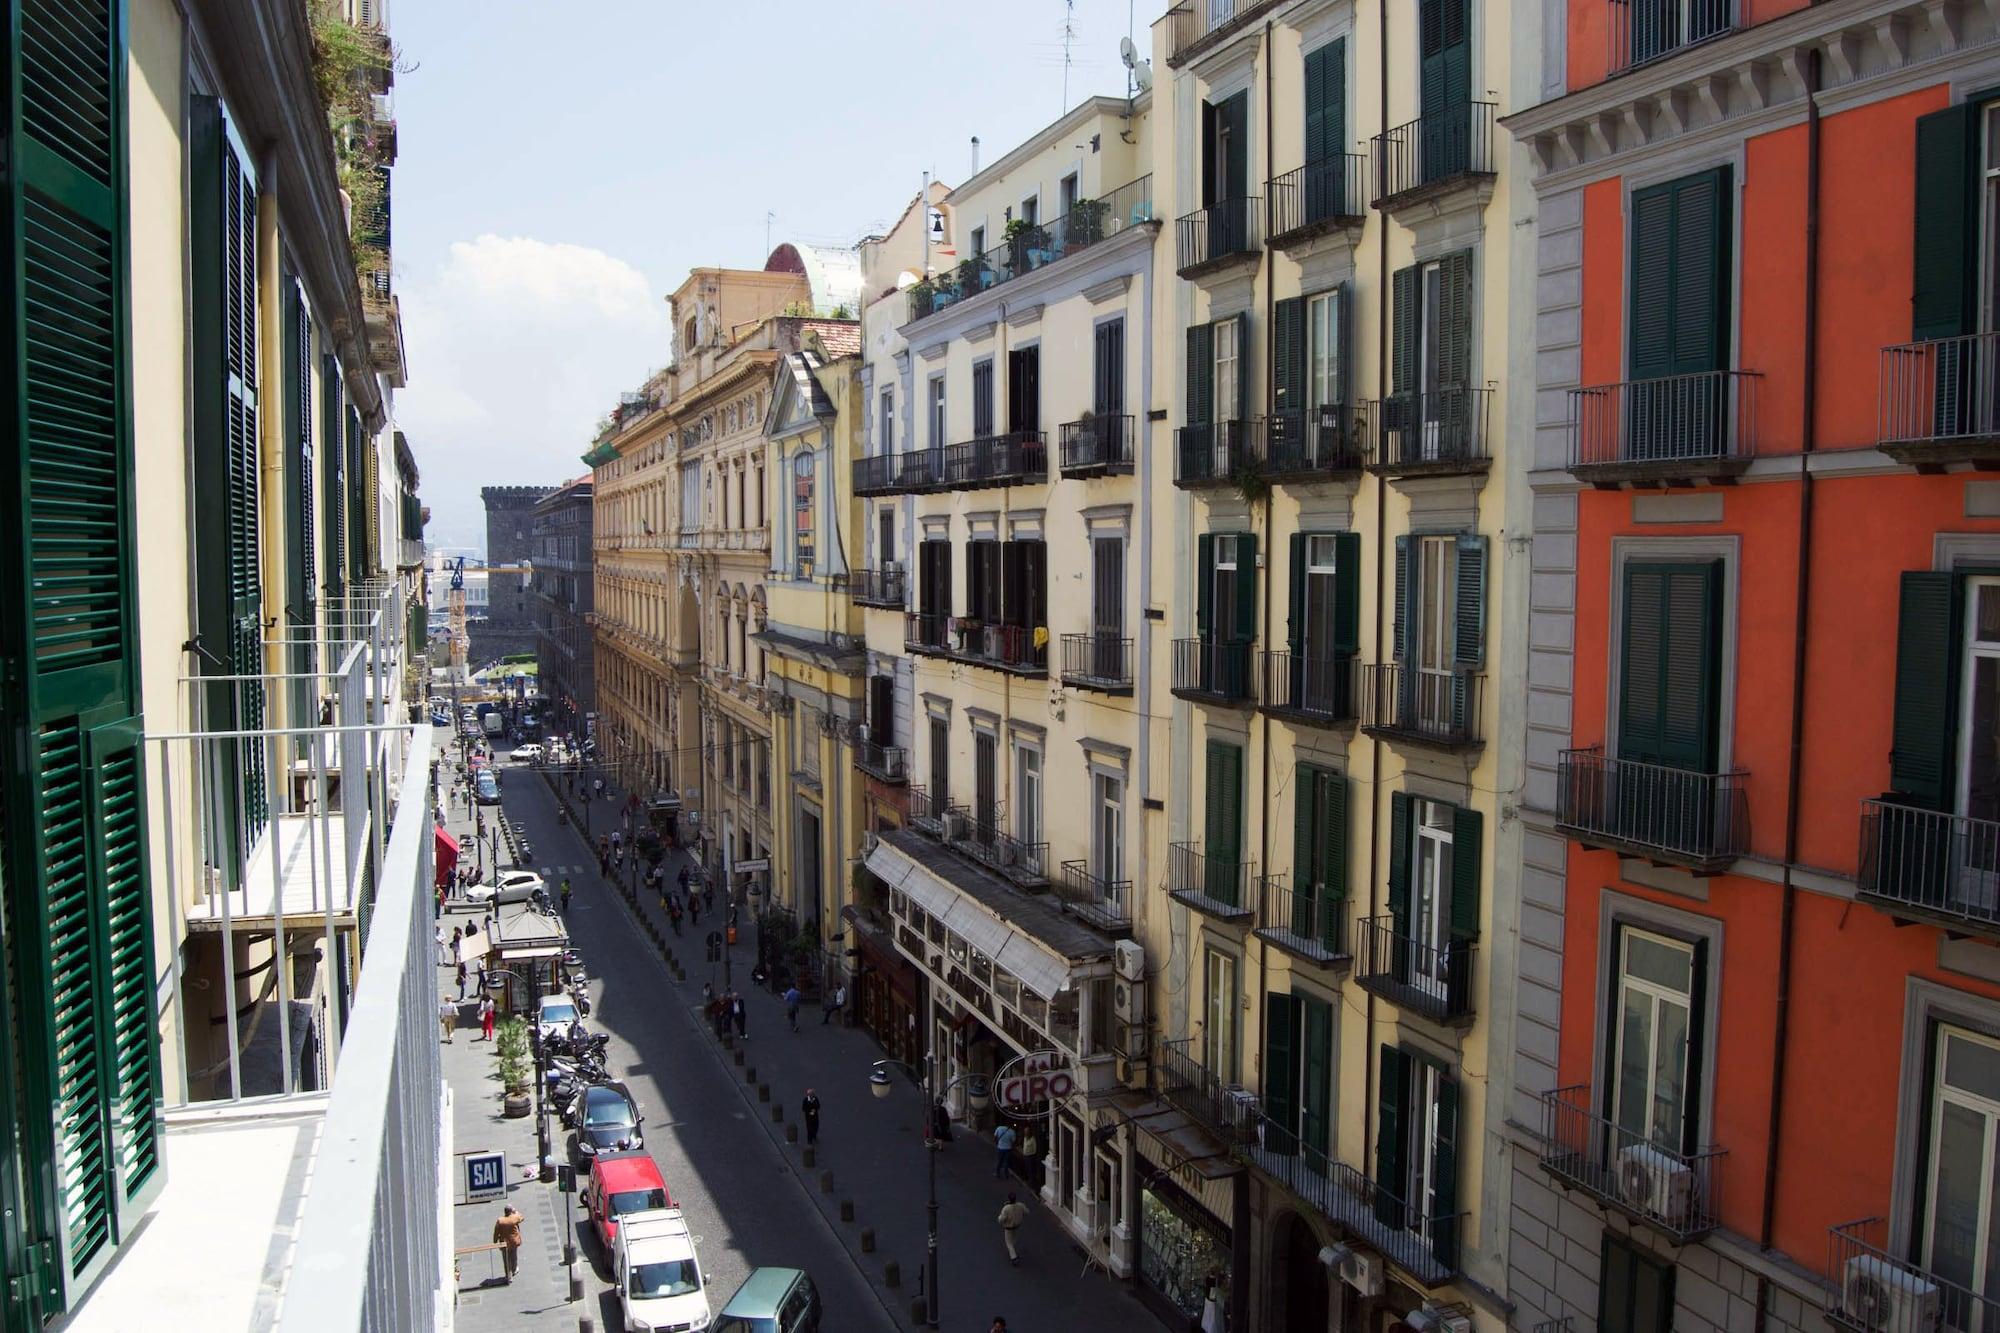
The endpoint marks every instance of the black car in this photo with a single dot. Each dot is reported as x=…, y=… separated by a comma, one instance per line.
x=607, y=1119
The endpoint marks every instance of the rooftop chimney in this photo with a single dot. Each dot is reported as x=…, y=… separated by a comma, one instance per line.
x=975, y=155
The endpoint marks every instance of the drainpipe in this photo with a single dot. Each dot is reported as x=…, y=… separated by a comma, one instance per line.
x=1808, y=430
x=1382, y=596
x=1240, y=1219
x=1142, y=638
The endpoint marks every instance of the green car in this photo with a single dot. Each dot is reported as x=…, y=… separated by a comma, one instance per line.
x=771, y=1300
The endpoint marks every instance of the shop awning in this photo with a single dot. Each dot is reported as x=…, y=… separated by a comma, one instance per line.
x=447, y=855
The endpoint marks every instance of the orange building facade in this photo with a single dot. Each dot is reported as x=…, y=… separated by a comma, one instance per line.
x=1757, y=1058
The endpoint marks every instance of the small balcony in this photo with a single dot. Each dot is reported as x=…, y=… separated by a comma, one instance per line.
x=1308, y=202
x=1328, y=445
x=1929, y=866
x=920, y=470
x=1229, y=1111
x=1098, y=446
x=1026, y=864
x=1676, y=430
x=1668, y=1190
x=1215, y=886
x=1438, y=432
x=1309, y=922
x=1437, y=154
x=1201, y=25
x=1212, y=673
x=926, y=633
x=1941, y=403
x=1309, y=688
x=1422, y=705
x=1017, y=458
x=884, y=763
x=1670, y=816
x=1101, y=662
x=1434, y=980
x=878, y=587
x=1226, y=234
x=1218, y=453
x=1873, y=1291
x=1009, y=648
x=1103, y=903
x=927, y=809
x=1642, y=31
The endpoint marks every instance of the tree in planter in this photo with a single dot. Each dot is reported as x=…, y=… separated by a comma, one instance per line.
x=922, y=297
x=510, y=1044
x=971, y=277
x=1023, y=236
x=1086, y=223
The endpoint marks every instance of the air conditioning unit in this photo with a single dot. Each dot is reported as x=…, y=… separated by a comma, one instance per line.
x=1007, y=853
x=956, y=825
x=1246, y=1111
x=1653, y=1182
x=1456, y=1323
x=1130, y=960
x=1878, y=1294
x=1132, y=1070
x=1128, y=1000
x=1363, y=1272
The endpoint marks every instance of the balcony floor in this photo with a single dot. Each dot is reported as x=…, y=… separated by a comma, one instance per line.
x=1349, y=224
x=1309, y=950
x=1476, y=183
x=1428, y=739
x=1655, y=473
x=1416, y=999
x=1214, y=907
x=1203, y=268
x=1981, y=451
x=1596, y=840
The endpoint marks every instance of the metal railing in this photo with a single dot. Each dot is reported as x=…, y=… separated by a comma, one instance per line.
x=1208, y=670
x=1216, y=453
x=920, y=470
x=1008, y=647
x=1098, y=445
x=926, y=632
x=1217, y=885
x=1089, y=222
x=1425, y=1247
x=999, y=850
x=1221, y=231
x=878, y=587
x=1323, y=193
x=1686, y=420
x=889, y=763
x=1434, y=980
x=1642, y=31
x=1227, y=1110
x=1433, y=150
x=1870, y=1289
x=1312, y=688
x=1661, y=1185
x=1438, y=430
x=1439, y=707
x=996, y=460
x=927, y=810
x=1939, y=392
x=1309, y=920
x=1193, y=21
x=876, y=475
x=1678, y=814
x=1940, y=863
x=1103, y=903
x=1097, y=661
x=1329, y=442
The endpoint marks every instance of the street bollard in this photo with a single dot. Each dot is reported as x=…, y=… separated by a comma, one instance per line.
x=826, y=1182
x=808, y=1157
x=868, y=1240
x=585, y=1324
x=777, y=1113
x=763, y=1092
x=791, y=1133
x=739, y=1060
x=575, y=1283
x=847, y=1210
x=750, y=1074
x=892, y=1276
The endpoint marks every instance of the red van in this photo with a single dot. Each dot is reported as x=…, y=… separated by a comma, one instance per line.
x=620, y=1183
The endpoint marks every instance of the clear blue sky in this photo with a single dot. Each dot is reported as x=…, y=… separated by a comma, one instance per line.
x=561, y=167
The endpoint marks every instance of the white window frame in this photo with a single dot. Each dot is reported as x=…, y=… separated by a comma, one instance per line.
x=1220, y=626
x=1107, y=826
x=1942, y=1093
x=1323, y=351
x=1656, y=995
x=937, y=410
x=1430, y=894
x=1228, y=367
x=1218, y=1028
x=1028, y=826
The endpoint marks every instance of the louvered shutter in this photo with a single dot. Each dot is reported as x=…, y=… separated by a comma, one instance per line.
x=1315, y=1040
x=1204, y=578
x=298, y=500
x=1224, y=817
x=1200, y=374
x=1288, y=370
x=1108, y=387
x=1941, y=304
x=333, y=486
x=1924, y=737
x=1391, y=1149
x=1295, y=629
x=1468, y=637
x=1281, y=1072
x=1454, y=334
x=1399, y=864
x=357, y=500
x=1332, y=816
x=1316, y=108
x=1401, y=412
x=1306, y=867
x=1402, y=595
x=1467, y=828
x=1670, y=663
x=1245, y=628
x=982, y=399
x=1680, y=276
x=1326, y=133
x=1346, y=595
x=1443, y=1223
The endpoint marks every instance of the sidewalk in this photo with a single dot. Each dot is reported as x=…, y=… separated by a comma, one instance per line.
x=873, y=1150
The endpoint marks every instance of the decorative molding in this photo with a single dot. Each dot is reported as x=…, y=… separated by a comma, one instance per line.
x=1107, y=290
x=1025, y=315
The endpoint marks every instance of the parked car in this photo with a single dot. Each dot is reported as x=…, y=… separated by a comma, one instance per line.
x=554, y=1015
x=510, y=886
x=660, y=1285
x=621, y=1183
x=771, y=1300
x=526, y=754
x=607, y=1118
x=486, y=787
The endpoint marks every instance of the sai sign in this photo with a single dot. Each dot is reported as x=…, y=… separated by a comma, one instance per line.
x=485, y=1176
x=1025, y=1086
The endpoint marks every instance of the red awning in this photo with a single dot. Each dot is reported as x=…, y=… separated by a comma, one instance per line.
x=447, y=855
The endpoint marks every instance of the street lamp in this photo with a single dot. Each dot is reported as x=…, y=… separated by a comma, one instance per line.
x=541, y=1075
x=976, y=1097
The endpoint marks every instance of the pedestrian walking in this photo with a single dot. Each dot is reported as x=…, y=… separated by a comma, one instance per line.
x=461, y=982
x=835, y=1001
x=447, y=1017
x=674, y=916
x=940, y=1123
x=792, y=998
x=694, y=908
x=738, y=1013
x=1003, y=1140
x=507, y=1235
x=1012, y=1214
x=443, y=956
x=809, y=1108
x=486, y=1018
x=565, y=895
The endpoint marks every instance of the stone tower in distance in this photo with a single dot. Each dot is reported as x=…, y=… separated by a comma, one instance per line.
x=510, y=541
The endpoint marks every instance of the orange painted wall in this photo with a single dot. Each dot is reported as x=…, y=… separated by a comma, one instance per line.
x=1771, y=282
x=1589, y=34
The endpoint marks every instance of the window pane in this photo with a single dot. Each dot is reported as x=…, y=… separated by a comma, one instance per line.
x=1658, y=961
x=1956, y=1186
x=1982, y=742
x=1972, y=1066
x=1669, y=1072
x=1632, y=1094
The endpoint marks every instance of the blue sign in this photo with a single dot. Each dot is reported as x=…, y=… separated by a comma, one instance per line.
x=485, y=1176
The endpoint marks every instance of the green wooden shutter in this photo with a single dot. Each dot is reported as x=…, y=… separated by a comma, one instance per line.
x=1468, y=630
x=1316, y=72
x=1235, y=110
x=1204, y=593
x=1295, y=629
x=1281, y=1070
x=1444, y=1175
x=1225, y=812
x=1245, y=628
x=1641, y=707
x=360, y=504
x=1288, y=363
x=1399, y=863
x=1346, y=594
x=300, y=557
x=1697, y=1050
x=1941, y=302
x=1332, y=816
x=1408, y=326
x=333, y=486
x=1402, y=595
x=1200, y=374
x=1306, y=865
x=1467, y=826
x=1315, y=1037
x=1454, y=334
x=1243, y=410
x=1670, y=664
x=1391, y=1149
x=1680, y=276
x=1924, y=739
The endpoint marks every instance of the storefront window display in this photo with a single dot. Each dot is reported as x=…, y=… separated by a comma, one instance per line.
x=1183, y=1260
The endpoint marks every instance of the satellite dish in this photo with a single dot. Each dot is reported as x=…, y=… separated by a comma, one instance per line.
x=1142, y=74
x=1128, y=51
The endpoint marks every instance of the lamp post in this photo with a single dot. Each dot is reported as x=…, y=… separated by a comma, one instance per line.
x=541, y=1075
x=976, y=1097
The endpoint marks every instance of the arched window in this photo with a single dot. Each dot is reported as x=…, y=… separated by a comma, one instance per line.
x=802, y=515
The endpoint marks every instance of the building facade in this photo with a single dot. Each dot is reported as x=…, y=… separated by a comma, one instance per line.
x=564, y=641
x=1759, y=999
x=509, y=628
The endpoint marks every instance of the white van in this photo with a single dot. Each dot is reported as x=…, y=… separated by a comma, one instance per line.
x=660, y=1284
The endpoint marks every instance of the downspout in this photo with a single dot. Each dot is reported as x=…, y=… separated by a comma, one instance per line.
x=1263, y=725
x=1381, y=597
x=1142, y=635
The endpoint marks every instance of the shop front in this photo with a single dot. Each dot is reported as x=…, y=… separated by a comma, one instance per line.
x=887, y=993
x=1193, y=1224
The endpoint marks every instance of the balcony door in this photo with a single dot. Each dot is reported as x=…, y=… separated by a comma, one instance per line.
x=1655, y=1024
x=1664, y=790
x=1444, y=31
x=985, y=785
x=1107, y=829
x=1107, y=608
x=1223, y=818
x=1429, y=931
x=1229, y=390
x=1225, y=174
x=1676, y=405
x=1024, y=389
x=1320, y=673
x=882, y=710
x=1961, y=1228
x=1431, y=675
x=940, y=767
x=1432, y=411
x=1977, y=865
x=1326, y=393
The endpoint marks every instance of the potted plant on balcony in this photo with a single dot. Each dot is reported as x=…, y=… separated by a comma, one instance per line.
x=510, y=1044
x=1027, y=246
x=1087, y=436
x=923, y=298
x=1086, y=223
x=970, y=277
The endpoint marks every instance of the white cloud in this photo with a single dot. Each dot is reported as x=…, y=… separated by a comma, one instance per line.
x=516, y=346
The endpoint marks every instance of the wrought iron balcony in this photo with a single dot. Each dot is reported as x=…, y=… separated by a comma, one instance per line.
x=1331, y=444
x=1434, y=980
x=1872, y=1290
x=1445, y=150
x=1309, y=201
x=1011, y=648
x=984, y=841
x=1928, y=865
x=1218, y=453
x=925, y=632
x=1195, y=26
x=885, y=763
x=1101, y=662
x=1671, y=815
x=1098, y=446
x=1225, y=234
x=876, y=475
x=1014, y=459
x=1422, y=705
x=1226, y=1110
x=1642, y=31
x=1439, y=431
x=927, y=810
x=1667, y=1189
x=1215, y=886
x=1314, y=689
x=1215, y=673
x=1941, y=402
x=1309, y=922
x=920, y=470
x=1700, y=427
x=878, y=587
x=1103, y=903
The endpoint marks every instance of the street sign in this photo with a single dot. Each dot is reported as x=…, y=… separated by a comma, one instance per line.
x=759, y=863
x=1026, y=1085
x=485, y=1176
